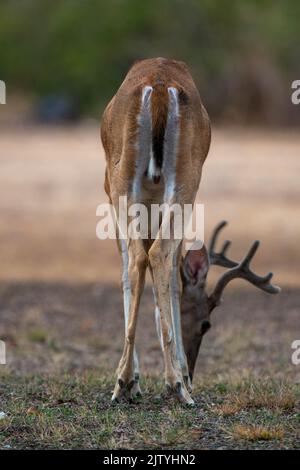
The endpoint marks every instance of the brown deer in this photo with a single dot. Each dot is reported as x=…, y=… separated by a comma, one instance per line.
x=196, y=304
x=156, y=136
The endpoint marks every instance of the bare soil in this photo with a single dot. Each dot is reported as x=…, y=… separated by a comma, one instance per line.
x=62, y=327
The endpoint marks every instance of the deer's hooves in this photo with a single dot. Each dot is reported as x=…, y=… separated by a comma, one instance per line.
x=136, y=390
x=183, y=395
x=188, y=383
x=126, y=391
x=180, y=391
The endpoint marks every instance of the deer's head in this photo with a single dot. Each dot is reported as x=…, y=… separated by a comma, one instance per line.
x=196, y=304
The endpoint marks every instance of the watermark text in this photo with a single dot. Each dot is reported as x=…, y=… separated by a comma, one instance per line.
x=2, y=92
x=138, y=221
x=296, y=354
x=295, y=97
x=2, y=353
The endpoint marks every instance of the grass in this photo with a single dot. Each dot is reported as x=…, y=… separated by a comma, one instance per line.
x=261, y=395
x=74, y=411
x=37, y=336
x=257, y=433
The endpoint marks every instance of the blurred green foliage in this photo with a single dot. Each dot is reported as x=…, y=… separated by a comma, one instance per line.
x=85, y=47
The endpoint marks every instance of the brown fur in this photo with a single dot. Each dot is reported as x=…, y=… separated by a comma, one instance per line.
x=119, y=125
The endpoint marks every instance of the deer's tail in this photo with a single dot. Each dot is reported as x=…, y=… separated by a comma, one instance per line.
x=158, y=130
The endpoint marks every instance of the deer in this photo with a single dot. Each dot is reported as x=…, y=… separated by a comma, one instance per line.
x=156, y=135
x=196, y=304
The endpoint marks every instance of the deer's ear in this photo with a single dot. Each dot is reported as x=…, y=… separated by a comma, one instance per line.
x=195, y=266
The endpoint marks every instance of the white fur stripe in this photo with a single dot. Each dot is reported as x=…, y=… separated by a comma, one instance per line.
x=144, y=142
x=153, y=170
x=171, y=144
x=127, y=295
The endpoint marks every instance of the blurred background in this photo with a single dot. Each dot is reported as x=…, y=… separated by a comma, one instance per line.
x=61, y=62
x=73, y=54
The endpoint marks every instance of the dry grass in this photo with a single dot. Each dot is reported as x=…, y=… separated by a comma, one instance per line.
x=257, y=433
x=227, y=409
x=264, y=400
x=258, y=395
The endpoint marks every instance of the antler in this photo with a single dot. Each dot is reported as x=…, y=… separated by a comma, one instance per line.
x=220, y=259
x=242, y=271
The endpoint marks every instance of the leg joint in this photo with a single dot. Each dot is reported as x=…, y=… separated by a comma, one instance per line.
x=130, y=337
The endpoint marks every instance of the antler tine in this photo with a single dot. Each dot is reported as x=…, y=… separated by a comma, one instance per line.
x=262, y=282
x=225, y=247
x=220, y=259
x=215, y=234
x=243, y=271
x=251, y=252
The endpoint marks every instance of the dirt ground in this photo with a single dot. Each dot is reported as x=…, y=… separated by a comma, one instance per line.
x=61, y=327
x=61, y=307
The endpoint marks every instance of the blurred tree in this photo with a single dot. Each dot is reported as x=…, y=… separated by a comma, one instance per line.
x=83, y=48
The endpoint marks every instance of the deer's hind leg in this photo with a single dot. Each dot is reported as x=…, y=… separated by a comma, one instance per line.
x=164, y=259
x=133, y=285
x=136, y=391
